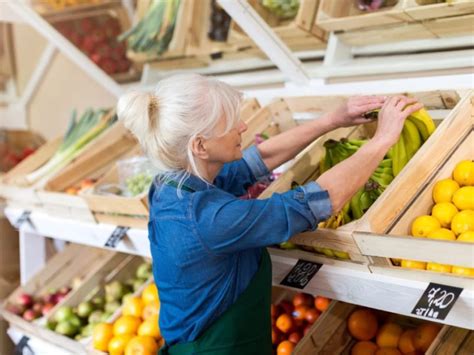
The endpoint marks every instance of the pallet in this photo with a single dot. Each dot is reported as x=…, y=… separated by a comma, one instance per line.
x=406, y=20
x=75, y=261
x=330, y=335
x=383, y=232
x=305, y=168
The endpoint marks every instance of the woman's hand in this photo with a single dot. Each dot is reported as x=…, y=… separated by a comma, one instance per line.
x=392, y=117
x=351, y=113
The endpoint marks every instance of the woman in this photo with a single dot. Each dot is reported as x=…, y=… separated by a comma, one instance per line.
x=210, y=264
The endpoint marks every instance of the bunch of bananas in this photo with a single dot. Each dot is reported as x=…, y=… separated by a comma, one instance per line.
x=416, y=130
x=153, y=34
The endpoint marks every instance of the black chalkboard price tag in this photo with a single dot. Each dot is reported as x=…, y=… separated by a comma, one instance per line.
x=22, y=344
x=25, y=217
x=116, y=237
x=437, y=301
x=301, y=274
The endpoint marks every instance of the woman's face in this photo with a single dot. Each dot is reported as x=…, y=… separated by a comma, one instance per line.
x=225, y=148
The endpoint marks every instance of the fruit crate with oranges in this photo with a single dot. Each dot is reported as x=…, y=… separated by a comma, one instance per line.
x=432, y=202
x=62, y=277
x=329, y=240
x=394, y=20
x=133, y=211
x=348, y=329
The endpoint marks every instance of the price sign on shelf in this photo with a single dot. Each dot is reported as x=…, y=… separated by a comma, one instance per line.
x=301, y=274
x=437, y=301
x=116, y=237
x=25, y=217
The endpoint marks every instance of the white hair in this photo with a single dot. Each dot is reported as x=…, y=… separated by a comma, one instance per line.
x=166, y=120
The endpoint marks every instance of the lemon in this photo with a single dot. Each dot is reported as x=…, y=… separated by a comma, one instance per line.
x=412, y=264
x=444, y=190
x=466, y=237
x=444, y=213
x=442, y=233
x=462, y=222
x=463, y=173
x=438, y=267
x=424, y=225
x=464, y=198
x=463, y=271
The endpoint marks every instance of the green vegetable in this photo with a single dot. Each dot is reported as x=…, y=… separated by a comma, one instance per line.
x=78, y=135
x=282, y=8
x=138, y=183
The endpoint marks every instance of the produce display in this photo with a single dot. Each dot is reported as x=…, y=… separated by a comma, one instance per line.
x=381, y=333
x=32, y=307
x=136, y=330
x=220, y=22
x=96, y=37
x=284, y=9
x=154, y=32
x=451, y=218
x=292, y=320
x=79, y=134
x=78, y=322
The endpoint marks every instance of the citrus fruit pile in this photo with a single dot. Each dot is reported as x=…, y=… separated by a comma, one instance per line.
x=452, y=217
x=136, y=331
x=377, y=334
x=292, y=320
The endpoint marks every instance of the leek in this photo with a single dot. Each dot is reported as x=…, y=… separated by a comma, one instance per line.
x=79, y=133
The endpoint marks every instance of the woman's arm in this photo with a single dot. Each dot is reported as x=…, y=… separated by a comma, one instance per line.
x=343, y=180
x=285, y=146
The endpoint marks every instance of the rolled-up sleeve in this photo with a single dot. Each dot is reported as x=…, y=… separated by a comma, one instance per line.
x=237, y=176
x=226, y=224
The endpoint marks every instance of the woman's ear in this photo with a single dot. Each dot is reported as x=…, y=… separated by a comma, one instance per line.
x=198, y=147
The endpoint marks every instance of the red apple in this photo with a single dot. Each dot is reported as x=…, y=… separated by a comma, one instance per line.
x=295, y=337
x=15, y=309
x=59, y=297
x=312, y=315
x=30, y=315
x=303, y=299
x=25, y=300
x=47, y=308
x=37, y=307
x=49, y=298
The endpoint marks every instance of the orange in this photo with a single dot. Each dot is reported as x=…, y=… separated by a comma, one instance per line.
x=133, y=306
x=444, y=190
x=285, y=348
x=126, y=325
x=389, y=335
x=150, y=328
x=101, y=336
x=442, y=234
x=463, y=222
x=424, y=335
x=284, y=323
x=413, y=264
x=467, y=237
x=463, y=198
x=141, y=345
x=444, y=213
x=151, y=309
x=463, y=271
x=424, y=225
x=364, y=348
x=463, y=173
x=388, y=351
x=438, y=267
x=405, y=344
x=117, y=344
x=321, y=303
x=150, y=294
x=362, y=324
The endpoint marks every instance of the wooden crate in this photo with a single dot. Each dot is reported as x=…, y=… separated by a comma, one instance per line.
x=383, y=232
x=75, y=261
x=133, y=211
x=305, y=168
x=7, y=58
x=93, y=163
x=119, y=268
x=330, y=335
x=407, y=20
x=298, y=33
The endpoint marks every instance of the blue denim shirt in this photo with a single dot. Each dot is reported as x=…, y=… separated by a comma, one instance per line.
x=206, y=245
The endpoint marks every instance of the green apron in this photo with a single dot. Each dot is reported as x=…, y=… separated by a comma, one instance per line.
x=245, y=328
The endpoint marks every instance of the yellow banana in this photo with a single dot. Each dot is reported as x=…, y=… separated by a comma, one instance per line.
x=411, y=138
x=400, y=157
x=423, y=122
